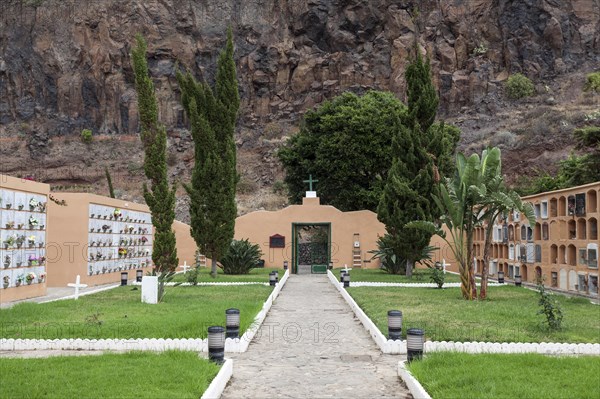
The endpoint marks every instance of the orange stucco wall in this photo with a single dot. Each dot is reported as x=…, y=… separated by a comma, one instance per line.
x=186, y=246
x=260, y=225
x=24, y=188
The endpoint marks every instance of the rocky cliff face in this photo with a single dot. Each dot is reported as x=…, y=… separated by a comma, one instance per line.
x=64, y=64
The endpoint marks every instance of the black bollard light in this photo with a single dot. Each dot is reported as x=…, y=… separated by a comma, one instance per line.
x=285, y=265
x=272, y=278
x=216, y=344
x=123, y=278
x=232, y=321
x=342, y=272
x=415, y=341
x=394, y=324
x=346, y=280
x=501, y=277
x=138, y=275
x=276, y=276
x=330, y=267
x=518, y=281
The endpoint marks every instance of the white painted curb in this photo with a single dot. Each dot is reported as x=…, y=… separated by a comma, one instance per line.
x=82, y=294
x=218, y=384
x=412, y=285
x=237, y=345
x=399, y=347
x=172, y=284
x=414, y=386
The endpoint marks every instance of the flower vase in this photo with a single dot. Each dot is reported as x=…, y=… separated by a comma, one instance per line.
x=40, y=280
x=20, y=207
x=5, y=285
x=29, y=282
x=18, y=283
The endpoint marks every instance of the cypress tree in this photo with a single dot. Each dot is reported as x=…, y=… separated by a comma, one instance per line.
x=421, y=150
x=159, y=197
x=111, y=190
x=212, y=118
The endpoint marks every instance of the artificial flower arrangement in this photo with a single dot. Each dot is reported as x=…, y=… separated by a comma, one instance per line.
x=130, y=228
x=33, y=203
x=98, y=255
x=117, y=213
x=30, y=277
x=19, y=280
x=144, y=240
x=7, y=261
x=10, y=225
x=31, y=240
x=33, y=260
x=10, y=241
x=105, y=227
x=33, y=221
x=122, y=251
x=42, y=277
x=42, y=260
x=6, y=281
x=20, y=240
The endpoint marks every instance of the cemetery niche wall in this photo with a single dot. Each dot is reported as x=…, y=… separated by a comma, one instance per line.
x=23, y=238
x=97, y=238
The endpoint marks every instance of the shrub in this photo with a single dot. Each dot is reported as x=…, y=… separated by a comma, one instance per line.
x=191, y=276
x=519, y=86
x=279, y=187
x=593, y=82
x=246, y=186
x=86, y=136
x=242, y=257
x=437, y=276
x=385, y=253
x=549, y=308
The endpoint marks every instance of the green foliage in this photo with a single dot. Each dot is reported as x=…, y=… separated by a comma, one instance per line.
x=519, y=86
x=345, y=144
x=192, y=275
x=279, y=187
x=437, y=276
x=550, y=308
x=390, y=262
x=421, y=152
x=242, y=257
x=159, y=197
x=86, y=136
x=214, y=178
x=592, y=82
x=111, y=190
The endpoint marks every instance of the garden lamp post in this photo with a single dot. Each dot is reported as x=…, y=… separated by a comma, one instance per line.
x=123, y=278
x=415, y=341
x=394, y=324
x=216, y=344
x=232, y=317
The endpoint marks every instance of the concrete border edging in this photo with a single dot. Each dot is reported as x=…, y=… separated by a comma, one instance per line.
x=172, y=284
x=399, y=347
x=414, y=386
x=237, y=345
x=412, y=285
x=218, y=384
x=82, y=294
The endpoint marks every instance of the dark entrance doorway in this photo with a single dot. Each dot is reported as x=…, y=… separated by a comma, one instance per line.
x=312, y=247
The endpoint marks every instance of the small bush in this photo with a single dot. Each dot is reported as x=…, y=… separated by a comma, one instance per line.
x=519, y=86
x=549, y=308
x=385, y=253
x=504, y=139
x=242, y=257
x=279, y=187
x=191, y=276
x=86, y=136
x=246, y=186
x=593, y=82
x=437, y=276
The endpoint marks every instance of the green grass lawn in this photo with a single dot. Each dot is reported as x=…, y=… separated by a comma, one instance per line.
x=450, y=375
x=257, y=275
x=130, y=375
x=186, y=312
x=380, y=276
x=509, y=315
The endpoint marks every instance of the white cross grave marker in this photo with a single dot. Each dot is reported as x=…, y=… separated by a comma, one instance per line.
x=77, y=285
x=185, y=267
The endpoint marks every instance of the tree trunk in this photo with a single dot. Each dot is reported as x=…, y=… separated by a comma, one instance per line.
x=486, y=260
x=469, y=265
x=213, y=268
x=409, y=268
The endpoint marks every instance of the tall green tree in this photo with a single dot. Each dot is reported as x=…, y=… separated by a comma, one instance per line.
x=159, y=196
x=421, y=154
x=212, y=118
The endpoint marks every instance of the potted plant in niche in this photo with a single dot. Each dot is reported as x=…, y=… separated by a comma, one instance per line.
x=117, y=213
x=19, y=280
x=10, y=241
x=7, y=261
x=32, y=222
x=31, y=241
x=5, y=281
x=21, y=206
x=20, y=226
x=33, y=204
x=8, y=205
x=42, y=277
x=33, y=260
x=10, y=225
x=20, y=240
x=42, y=260
x=30, y=277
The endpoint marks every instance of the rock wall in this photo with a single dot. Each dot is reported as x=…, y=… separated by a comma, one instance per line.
x=64, y=64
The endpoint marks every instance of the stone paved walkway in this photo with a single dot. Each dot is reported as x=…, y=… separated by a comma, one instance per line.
x=311, y=346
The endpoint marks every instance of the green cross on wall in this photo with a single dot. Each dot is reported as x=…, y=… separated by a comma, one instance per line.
x=310, y=182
